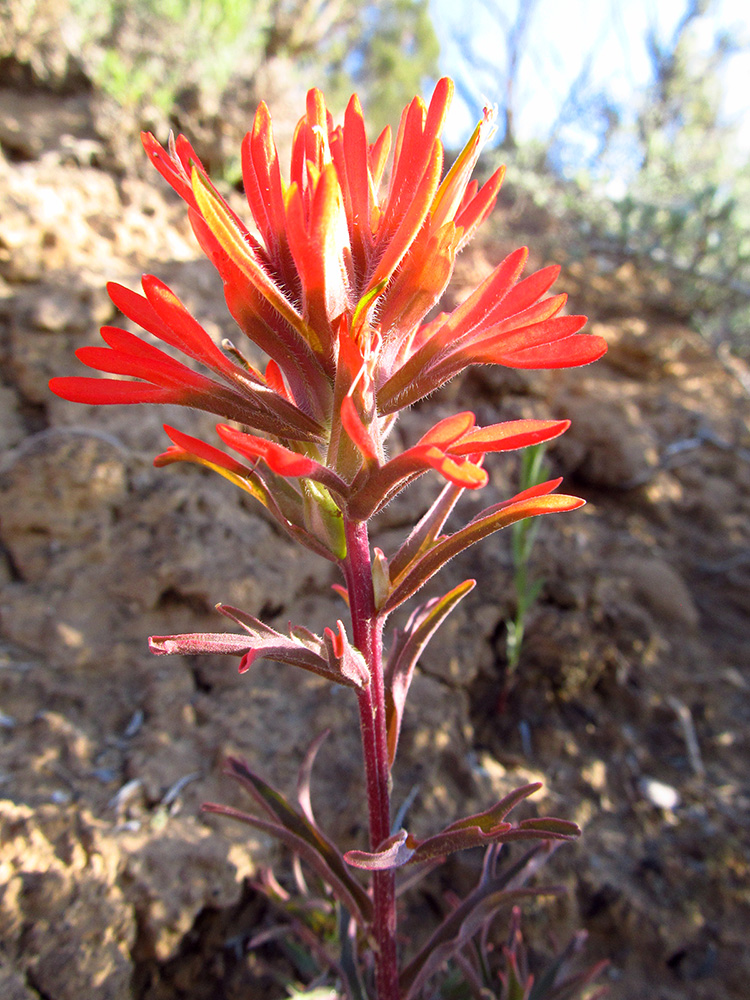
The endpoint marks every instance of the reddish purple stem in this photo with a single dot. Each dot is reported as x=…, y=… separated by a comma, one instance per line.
x=367, y=629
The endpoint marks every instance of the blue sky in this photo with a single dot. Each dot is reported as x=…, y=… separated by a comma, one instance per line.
x=563, y=36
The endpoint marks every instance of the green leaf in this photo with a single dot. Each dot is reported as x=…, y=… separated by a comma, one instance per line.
x=365, y=303
x=490, y=818
x=323, y=517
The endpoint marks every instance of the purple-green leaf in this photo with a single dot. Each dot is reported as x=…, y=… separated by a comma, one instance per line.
x=327, y=860
x=495, y=888
x=392, y=853
x=332, y=657
x=306, y=851
x=530, y=503
x=426, y=530
x=406, y=650
x=490, y=818
x=305, y=774
x=481, y=829
x=550, y=826
x=456, y=931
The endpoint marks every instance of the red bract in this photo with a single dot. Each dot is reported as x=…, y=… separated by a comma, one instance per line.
x=335, y=291
x=241, y=394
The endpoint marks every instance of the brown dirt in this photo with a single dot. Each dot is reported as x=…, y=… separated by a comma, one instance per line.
x=634, y=676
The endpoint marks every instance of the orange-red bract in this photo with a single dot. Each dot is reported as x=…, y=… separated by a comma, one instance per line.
x=332, y=279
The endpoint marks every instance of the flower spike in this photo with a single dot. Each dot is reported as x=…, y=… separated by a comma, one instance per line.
x=335, y=291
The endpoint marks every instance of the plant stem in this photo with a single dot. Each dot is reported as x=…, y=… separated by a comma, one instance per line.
x=367, y=629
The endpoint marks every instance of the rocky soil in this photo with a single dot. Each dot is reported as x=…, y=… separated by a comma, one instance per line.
x=633, y=697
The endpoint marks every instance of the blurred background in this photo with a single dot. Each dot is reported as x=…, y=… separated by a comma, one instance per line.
x=633, y=117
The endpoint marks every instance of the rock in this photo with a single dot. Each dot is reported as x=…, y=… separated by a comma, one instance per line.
x=659, y=794
x=60, y=309
x=61, y=219
x=609, y=444
x=35, y=123
x=173, y=872
x=433, y=756
x=65, y=924
x=151, y=551
x=12, y=430
x=59, y=491
x=463, y=646
x=662, y=590
x=33, y=46
x=99, y=550
x=637, y=347
x=13, y=984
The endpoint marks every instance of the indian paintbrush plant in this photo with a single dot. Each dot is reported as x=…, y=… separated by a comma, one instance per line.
x=334, y=284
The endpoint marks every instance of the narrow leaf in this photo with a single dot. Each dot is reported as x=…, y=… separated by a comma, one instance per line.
x=337, y=874
x=490, y=818
x=305, y=774
x=392, y=853
x=416, y=574
x=479, y=830
x=426, y=530
x=406, y=650
x=357, y=902
x=337, y=660
x=457, y=930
